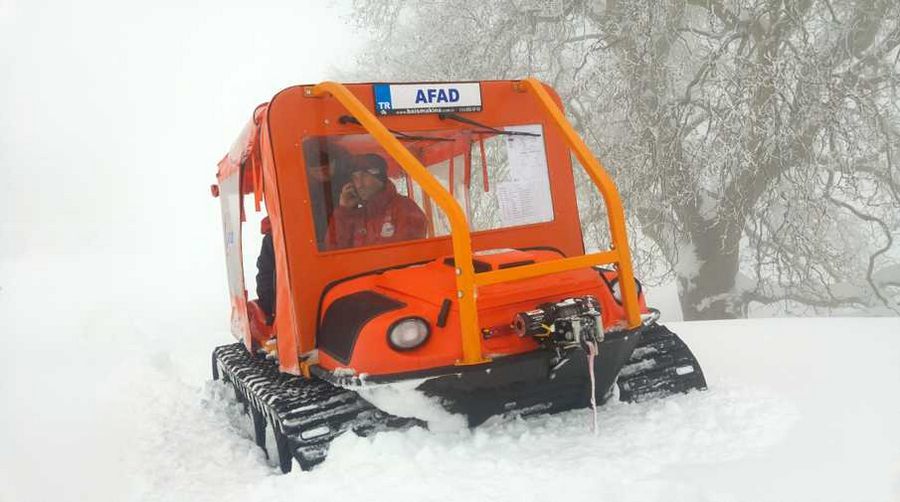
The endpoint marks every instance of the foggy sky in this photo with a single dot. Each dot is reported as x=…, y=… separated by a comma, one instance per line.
x=114, y=114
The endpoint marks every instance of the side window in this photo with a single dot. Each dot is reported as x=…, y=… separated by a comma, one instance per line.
x=322, y=159
x=358, y=194
x=451, y=173
x=518, y=180
x=501, y=181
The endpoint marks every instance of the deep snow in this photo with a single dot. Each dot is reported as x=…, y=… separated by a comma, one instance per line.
x=107, y=396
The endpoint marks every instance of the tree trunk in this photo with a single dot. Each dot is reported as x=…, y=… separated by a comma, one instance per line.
x=710, y=294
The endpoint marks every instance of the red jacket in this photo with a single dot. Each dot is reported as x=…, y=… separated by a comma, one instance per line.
x=388, y=217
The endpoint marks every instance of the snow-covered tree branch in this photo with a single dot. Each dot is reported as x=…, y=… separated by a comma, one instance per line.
x=754, y=141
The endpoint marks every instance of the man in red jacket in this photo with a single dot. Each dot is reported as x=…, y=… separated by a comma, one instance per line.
x=370, y=211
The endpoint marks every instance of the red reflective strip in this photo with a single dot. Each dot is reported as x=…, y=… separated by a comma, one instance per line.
x=451, y=181
x=429, y=215
x=257, y=184
x=484, y=170
x=468, y=204
x=467, y=159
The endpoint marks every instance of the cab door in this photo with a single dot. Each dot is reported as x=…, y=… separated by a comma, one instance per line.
x=231, y=199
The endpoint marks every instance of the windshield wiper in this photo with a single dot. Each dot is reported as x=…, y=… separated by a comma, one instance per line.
x=347, y=119
x=464, y=120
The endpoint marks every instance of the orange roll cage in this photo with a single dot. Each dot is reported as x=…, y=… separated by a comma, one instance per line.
x=467, y=280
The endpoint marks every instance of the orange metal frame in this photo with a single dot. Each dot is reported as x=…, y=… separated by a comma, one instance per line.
x=466, y=279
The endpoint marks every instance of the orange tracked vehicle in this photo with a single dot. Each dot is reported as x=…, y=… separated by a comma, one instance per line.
x=428, y=232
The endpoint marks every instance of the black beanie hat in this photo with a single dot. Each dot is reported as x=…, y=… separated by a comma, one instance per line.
x=372, y=163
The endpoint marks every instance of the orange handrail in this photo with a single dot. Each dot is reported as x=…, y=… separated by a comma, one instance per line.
x=614, y=210
x=544, y=268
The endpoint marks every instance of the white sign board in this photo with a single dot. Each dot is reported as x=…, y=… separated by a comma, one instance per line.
x=525, y=198
x=433, y=97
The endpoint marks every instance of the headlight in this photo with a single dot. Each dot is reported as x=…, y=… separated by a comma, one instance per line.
x=408, y=333
x=617, y=289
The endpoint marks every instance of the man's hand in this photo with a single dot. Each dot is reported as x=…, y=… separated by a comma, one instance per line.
x=349, y=199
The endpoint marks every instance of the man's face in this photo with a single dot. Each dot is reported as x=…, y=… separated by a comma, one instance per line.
x=367, y=185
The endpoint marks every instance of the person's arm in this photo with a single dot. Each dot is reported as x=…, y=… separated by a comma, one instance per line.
x=341, y=227
x=265, y=276
x=344, y=220
x=410, y=220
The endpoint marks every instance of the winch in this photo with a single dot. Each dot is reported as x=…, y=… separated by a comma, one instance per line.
x=570, y=322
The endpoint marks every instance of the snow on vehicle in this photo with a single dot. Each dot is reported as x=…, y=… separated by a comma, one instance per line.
x=494, y=309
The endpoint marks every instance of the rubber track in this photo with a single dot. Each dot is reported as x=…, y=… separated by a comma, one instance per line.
x=661, y=365
x=306, y=414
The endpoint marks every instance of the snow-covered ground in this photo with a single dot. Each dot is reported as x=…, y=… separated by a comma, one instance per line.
x=106, y=396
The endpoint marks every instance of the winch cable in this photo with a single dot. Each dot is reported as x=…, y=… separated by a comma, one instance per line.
x=591, y=357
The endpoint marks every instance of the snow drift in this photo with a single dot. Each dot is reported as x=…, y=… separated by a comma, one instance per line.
x=108, y=396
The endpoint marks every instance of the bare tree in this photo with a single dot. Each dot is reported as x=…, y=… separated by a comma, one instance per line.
x=754, y=141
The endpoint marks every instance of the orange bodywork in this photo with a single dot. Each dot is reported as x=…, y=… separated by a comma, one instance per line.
x=270, y=163
x=423, y=289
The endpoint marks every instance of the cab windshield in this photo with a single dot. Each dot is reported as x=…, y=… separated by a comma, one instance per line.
x=360, y=196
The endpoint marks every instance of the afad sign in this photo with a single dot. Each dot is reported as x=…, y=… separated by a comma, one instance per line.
x=406, y=99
